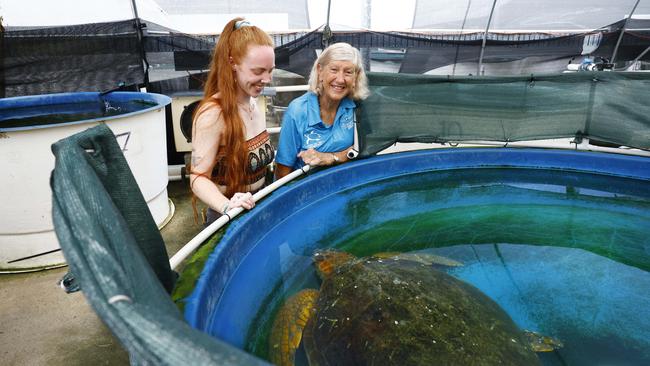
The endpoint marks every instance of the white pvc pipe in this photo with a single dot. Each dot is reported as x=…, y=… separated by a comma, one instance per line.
x=201, y=237
x=288, y=88
x=273, y=130
x=175, y=172
x=565, y=144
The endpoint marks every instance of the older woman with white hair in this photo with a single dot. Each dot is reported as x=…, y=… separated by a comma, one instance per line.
x=318, y=127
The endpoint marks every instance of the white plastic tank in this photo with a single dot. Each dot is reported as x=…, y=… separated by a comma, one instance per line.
x=30, y=125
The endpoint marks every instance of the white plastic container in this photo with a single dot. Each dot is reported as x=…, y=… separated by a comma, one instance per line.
x=27, y=238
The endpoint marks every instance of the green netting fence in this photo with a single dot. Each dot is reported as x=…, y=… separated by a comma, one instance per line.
x=606, y=106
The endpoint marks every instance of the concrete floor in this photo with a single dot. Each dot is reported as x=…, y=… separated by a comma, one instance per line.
x=42, y=325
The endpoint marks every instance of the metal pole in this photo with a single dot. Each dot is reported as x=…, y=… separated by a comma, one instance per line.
x=327, y=31
x=620, y=36
x=329, y=5
x=138, y=25
x=487, y=27
x=462, y=28
x=414, y=12
x=2, y=60
x=365, y=51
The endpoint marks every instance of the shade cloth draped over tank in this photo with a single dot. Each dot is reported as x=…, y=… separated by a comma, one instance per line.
x=115, y=251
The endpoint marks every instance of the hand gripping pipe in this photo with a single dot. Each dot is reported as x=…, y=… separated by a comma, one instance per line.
x=202, y=236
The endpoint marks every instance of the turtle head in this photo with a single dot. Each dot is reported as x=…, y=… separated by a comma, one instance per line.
x=328, y=260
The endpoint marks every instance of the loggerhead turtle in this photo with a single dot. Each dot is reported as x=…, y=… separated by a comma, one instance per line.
x=397, y=309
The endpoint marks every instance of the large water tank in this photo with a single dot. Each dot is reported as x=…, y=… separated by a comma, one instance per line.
x=28, y=127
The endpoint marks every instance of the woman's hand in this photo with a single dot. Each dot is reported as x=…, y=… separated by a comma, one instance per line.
x=244, y=200
x=313, y=157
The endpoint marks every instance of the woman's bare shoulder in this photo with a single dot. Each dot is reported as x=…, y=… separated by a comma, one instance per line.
x=208, y=116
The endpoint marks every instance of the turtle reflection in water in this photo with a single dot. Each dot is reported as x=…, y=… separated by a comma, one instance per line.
x=397, y=309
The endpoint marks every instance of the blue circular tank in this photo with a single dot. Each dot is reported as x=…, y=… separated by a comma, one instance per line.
x=447, y=199
x=51, y=110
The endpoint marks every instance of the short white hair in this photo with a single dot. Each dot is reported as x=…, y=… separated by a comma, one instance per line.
x=342, y=52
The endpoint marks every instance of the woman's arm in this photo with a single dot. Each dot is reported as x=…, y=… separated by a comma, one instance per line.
x=206, y=135
x=289, y=144
x=313, y=157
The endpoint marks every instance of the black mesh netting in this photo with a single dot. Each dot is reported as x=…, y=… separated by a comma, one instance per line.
x=115, y=55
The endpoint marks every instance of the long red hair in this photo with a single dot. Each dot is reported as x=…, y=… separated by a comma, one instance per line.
x=233, y=42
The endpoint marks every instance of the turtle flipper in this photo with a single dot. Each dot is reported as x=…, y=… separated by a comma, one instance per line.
x=541, y=343
x=288, y=325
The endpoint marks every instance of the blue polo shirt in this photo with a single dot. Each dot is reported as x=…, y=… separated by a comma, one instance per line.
x=302, y=128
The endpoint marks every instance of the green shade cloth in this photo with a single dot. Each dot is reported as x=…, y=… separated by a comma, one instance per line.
x=115, y=251
x=607, y=106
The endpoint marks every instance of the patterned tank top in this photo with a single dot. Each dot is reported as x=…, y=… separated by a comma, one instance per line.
x=260, y=154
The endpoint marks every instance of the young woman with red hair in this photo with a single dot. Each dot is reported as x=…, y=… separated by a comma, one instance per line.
x=230, y=145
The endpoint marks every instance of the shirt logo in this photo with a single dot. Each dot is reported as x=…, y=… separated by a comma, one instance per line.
x=347, y=122
x=312, y=139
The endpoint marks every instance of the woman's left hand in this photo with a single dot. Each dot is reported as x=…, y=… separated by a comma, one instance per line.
x=244, y=200
x=313, y=157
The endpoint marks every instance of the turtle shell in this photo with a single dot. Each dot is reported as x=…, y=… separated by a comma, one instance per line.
x=394, y=311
